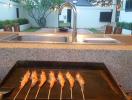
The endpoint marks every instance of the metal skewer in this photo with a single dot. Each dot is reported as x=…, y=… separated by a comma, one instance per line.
x=17, y=93
x=61, y=94
x=28, y=93
x=71, y=93
x=23, y=82
x=49, y=94
x=37, y=93
x=82, y=89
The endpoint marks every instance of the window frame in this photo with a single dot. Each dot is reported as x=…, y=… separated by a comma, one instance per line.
x=128, y=8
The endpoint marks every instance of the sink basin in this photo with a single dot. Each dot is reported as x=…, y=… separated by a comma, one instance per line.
x=47, y=38
x=60, y=38
x=104, y=40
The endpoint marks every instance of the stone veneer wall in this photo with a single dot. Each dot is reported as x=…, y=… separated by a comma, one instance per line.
x=118, y=62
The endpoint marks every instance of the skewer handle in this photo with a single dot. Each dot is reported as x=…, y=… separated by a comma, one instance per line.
x=71, y=93
x=49, y=94
x=37, y=93
x=61, y=94
x=27, y=93
x=82, y=89
x=1, y=96
x=17, y=93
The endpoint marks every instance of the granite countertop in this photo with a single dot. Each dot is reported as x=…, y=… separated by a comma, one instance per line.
x=117, y=57
x=127, y=40
x=66, y=46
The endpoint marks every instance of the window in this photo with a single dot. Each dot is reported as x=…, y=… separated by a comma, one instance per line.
x=128, y=5
x=17, y=12
x=105, y=16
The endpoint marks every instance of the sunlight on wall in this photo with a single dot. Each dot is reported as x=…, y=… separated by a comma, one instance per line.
x=8, y=10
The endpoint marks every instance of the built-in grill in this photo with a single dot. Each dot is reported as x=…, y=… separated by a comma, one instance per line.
x=99, y=84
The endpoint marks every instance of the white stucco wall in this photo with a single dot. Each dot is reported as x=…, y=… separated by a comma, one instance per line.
x=52, y=19
x=6, y=11
x=125, y=16
x=88, y=17
x=63, y=16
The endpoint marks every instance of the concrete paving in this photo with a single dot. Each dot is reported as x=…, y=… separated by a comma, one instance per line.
x=55, y=30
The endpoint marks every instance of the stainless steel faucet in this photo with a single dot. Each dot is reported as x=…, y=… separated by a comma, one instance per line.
x=74, y=33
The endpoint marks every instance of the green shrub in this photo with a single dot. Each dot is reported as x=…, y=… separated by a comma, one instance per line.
x=7, y=22
x=118, y=24
x=124, y=25
x=21, y=21
x=14, y=21
x=1, y=24
x=130, y=26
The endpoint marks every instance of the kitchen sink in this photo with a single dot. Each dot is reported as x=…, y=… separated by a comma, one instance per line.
x=97, y=40
x=61, y=38
x=43, y=38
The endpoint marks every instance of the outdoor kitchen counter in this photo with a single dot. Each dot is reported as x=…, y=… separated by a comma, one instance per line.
x=5, y=34
x=117, y=58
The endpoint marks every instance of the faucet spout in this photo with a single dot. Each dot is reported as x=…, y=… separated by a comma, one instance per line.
x=68, y=4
